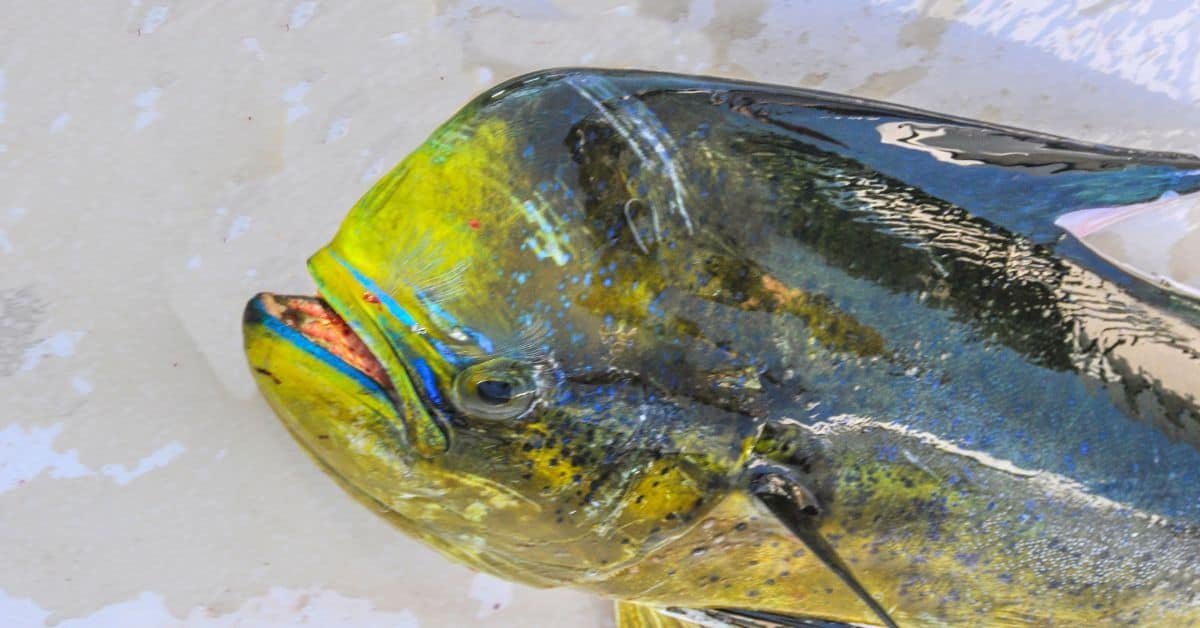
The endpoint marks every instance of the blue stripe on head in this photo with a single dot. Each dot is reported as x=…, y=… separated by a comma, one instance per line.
x=406, y=319
x=448, y=354
x=427, y=378
x=436, y=309
x=388, y=302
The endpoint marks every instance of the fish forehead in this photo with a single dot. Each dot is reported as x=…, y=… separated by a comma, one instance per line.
x=476, y=179
x=458, y=227
x=493, y=220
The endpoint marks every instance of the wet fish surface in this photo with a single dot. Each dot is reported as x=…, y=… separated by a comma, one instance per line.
x=735, y=354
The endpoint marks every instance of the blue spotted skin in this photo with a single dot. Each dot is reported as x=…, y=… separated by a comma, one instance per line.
x=709, y=275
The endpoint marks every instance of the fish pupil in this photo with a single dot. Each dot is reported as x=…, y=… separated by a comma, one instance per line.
x=494, y=391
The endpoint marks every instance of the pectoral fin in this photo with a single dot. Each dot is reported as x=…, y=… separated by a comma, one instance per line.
x=799, y=510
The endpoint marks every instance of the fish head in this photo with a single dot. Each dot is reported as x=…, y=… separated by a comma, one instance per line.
x=485, y=367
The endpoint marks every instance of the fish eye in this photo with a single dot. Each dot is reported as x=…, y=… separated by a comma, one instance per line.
x=495, y=390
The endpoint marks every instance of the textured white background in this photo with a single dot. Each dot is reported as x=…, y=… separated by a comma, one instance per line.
x=162, y=161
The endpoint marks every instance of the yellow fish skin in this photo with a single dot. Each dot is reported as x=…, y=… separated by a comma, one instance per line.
x=736, y=354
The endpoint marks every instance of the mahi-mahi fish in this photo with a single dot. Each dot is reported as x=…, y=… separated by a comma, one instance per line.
x=734, y=354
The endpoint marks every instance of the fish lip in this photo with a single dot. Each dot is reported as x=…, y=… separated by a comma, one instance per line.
x=266, y=309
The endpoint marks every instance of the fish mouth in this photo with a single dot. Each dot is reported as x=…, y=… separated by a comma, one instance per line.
x=315, y=322
x=346, y=339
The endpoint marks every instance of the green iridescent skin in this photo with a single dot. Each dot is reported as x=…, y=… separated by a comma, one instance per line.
x=644, y=263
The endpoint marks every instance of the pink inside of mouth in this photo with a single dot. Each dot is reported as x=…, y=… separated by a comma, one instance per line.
x=312, y=317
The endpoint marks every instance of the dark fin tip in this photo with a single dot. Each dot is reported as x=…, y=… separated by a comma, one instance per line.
x=795, y=507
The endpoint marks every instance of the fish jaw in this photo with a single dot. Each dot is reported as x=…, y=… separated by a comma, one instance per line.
x=324, y=385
